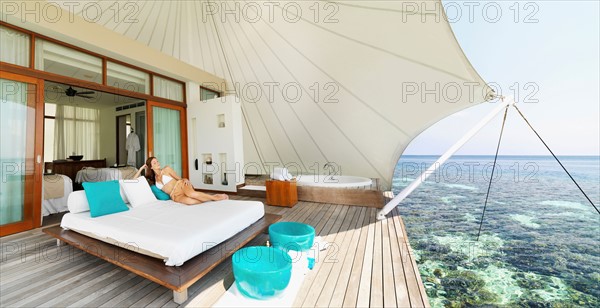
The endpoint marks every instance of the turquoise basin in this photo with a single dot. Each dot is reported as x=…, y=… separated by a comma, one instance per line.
x=261, y=272
x=292, y=236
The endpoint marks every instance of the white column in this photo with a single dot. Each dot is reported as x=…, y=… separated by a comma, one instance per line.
x=505, y=103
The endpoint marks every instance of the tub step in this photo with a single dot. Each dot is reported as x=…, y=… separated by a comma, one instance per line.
x=255, y=191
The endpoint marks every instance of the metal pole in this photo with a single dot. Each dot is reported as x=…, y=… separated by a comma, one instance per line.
x=505, y=103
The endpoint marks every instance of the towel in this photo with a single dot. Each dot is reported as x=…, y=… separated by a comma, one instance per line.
x=127, y=173
x=281, y=174
x=54, y=186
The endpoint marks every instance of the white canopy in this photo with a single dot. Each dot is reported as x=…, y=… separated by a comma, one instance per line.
x=348, y=82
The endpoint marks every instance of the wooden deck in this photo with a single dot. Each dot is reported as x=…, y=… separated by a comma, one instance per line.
x=368, y=264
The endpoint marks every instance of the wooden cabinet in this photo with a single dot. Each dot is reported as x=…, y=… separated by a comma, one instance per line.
x=70, y=168
x=282, y=193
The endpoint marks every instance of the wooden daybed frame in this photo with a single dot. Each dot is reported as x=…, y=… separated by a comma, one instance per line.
x=176, y=278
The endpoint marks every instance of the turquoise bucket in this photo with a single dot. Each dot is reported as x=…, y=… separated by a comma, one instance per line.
x=261, y=272
x=292, y=236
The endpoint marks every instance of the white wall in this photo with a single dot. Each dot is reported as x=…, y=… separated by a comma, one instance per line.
x=206, y=138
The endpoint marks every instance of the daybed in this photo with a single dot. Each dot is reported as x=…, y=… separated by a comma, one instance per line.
x=56, y=188
x=174, y=244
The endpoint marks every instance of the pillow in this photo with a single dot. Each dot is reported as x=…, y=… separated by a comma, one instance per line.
x=104, y=198
x=77, y=202
x=138, y=191
x=123, y=195
x=159, y=194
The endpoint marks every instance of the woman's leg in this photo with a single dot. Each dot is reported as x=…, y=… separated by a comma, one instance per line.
x=186, y=200
x=189, y=191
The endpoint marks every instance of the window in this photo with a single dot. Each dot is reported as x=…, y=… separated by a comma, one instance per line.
x=168, y=89
x=61, y=60
x=15, y=47
x=206, y=94
x=76, y=132
x=126, y=78
x=49, y=114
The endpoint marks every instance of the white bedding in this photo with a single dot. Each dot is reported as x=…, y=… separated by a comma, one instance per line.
x=174, y=231
x=58, y=205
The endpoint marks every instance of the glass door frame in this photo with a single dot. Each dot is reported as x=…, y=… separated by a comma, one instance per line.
x=32, y=207
x=184, y=136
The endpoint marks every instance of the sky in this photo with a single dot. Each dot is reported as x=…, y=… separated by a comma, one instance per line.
x=545, y=54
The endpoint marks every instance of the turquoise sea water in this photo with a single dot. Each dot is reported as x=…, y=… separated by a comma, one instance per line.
x=540, y=242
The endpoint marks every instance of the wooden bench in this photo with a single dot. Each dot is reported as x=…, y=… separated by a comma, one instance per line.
x=176, y=278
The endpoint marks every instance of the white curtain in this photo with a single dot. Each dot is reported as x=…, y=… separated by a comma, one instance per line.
x=15, y=47
x=167, y=137
x=39, y=54
x=167, y=89
x=76, y=132
x=13, y=138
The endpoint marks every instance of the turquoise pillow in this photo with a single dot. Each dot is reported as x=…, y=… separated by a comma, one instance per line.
x=104, y=198
x=160, y=195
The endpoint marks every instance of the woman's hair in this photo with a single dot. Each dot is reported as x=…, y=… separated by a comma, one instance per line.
x=150, y=176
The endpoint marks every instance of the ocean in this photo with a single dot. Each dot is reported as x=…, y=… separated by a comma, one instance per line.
x=540, y=239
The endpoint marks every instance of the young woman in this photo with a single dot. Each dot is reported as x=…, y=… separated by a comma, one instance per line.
x=179, y=189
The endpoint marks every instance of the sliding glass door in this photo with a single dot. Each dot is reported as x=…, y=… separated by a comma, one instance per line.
x=21, y=146
x=167, y=136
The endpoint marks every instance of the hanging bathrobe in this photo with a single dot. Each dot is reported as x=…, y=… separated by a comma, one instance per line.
x=132, y=145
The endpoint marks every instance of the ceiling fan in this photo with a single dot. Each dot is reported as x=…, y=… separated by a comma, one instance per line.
x=72, y=92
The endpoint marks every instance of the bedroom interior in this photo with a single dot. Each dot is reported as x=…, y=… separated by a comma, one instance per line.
x=50, y=58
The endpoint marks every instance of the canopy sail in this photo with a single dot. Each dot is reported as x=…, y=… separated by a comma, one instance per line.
x=345, y=82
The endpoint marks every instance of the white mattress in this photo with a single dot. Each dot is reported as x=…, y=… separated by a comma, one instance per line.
x=58, y=205
x=174, y=231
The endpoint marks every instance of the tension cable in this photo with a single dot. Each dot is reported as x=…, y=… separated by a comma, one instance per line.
x=493, y=168
x=565, y=169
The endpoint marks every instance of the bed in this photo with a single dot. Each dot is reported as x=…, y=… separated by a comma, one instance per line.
x=56, y=189
x=169, y=243
x=91, y=174
x=169, y=230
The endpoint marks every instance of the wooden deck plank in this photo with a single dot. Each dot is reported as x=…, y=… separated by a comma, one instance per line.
x=389, y=290
x=84, y=281
x=343, y=281
x=376, y=298
x=419, y=283
x=401, y=289
x=108, y=296
x=322, y=229
x=16, y=251
x=411, y=272
x=152, y=296
x=131, y=299
x=32, y=290
x=85, y=291
x=334, y=252
x=344, y=240
x=320, y=270
x=364, y=289
x=162, y=300
x=351, y=294
x=33, y=269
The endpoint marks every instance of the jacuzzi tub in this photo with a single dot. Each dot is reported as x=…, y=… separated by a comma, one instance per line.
x=335, y=181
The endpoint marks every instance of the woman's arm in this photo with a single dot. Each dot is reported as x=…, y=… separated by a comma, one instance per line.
x=139, y=172
x=170, y=172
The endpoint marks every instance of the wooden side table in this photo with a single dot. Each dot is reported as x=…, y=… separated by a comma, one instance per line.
x=282, y=193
